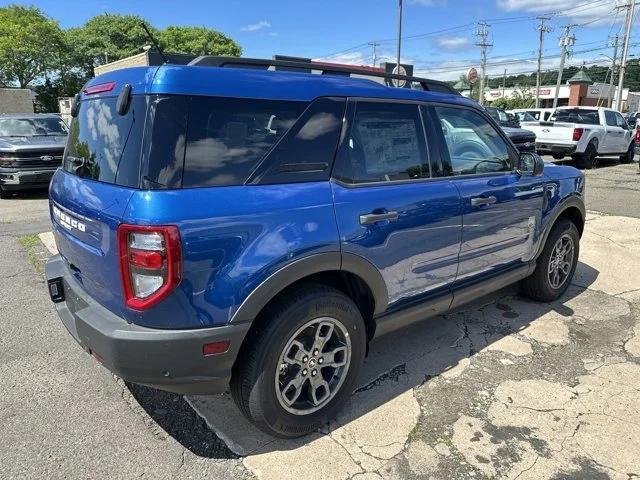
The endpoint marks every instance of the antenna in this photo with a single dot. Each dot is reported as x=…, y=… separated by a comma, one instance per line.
x=155, y=44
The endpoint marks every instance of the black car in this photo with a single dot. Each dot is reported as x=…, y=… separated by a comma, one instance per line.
x=524, y=140
x=31, y=148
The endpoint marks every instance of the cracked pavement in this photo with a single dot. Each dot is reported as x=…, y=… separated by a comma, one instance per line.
x=501, y=388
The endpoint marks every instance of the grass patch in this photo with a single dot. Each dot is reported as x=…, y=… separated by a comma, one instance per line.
x=33, y=247
x=415, y=434
x=4, y=221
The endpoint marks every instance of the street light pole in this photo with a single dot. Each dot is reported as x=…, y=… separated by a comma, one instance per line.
x=613, y=70
x=399, y=39
x=542, y=30
x=565, y=42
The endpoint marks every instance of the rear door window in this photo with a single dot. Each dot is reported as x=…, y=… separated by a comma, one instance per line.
x=105, y=146
x=228, y=137
x=610, y=118
x=385, y=143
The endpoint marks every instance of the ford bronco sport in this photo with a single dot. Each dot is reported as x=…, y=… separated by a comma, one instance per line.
x=228, y=225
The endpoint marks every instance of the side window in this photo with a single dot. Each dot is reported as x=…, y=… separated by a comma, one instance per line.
x=474, y=146
x=385, y=143
x=610, y=118
x=306, y=152
x=227, y=137
x=620, y=121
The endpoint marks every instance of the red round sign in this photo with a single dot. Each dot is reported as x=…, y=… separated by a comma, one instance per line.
x=472, y=75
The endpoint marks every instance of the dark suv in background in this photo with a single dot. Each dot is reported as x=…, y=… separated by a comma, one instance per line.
x=31, y=148
x=524, y=140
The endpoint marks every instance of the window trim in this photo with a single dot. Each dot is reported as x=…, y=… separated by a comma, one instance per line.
x=347, y=124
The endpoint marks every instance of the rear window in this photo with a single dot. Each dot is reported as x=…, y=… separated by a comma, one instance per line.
x=577, y=115
x=105, y=146
x=227, y=137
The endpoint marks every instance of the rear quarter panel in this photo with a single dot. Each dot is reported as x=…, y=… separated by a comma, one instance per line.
x=233, y=238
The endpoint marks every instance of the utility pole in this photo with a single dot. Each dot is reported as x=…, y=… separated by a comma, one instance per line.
x=374, y=44
x=616, y=40
x=566, y=41
x=625, y=50
x=504, y=81
x=482, y=32
x=543, y=30
x=399, y=39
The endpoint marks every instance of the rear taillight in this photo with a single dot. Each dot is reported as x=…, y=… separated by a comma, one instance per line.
x=577, y=134
x=99, y=88
x=150, y=263
x=637, y=135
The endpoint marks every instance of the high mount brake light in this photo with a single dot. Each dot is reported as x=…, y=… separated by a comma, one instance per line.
x=99, y=88
x=577, y=134
x=150, y=263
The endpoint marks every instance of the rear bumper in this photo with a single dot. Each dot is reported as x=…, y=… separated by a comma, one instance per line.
x=551, y=148
x=169, y=360
x=15, y=179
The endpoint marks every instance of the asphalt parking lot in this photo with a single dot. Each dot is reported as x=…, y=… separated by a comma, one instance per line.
x=503, y=388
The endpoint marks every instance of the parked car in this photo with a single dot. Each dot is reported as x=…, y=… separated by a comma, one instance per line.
x=503, y=118
x=523, y=116
x=31, y=147
x=242, y=228
x=585, y=133
x=632, y=119
x=524, y=140
x=538, y=114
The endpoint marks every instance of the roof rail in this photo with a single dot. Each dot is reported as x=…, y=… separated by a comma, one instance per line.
x=265, y=64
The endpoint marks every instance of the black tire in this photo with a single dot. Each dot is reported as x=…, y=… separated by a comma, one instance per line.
x=4, y=193
x=628, y=157
x=588, y=159
x=253, y=383
x=558, y=156
x=538, y=285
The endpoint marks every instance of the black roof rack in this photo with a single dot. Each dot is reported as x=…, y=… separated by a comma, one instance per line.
x=325, y=68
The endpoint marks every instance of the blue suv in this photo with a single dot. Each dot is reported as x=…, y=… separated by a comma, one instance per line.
x=252, y=225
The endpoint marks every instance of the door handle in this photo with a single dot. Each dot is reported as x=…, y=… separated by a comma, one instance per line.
x=480, y=201
x=370, y=218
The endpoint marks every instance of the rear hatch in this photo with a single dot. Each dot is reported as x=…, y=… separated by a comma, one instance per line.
x=89, y=195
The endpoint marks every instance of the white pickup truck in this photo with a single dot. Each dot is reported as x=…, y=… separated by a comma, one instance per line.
x=584, y=133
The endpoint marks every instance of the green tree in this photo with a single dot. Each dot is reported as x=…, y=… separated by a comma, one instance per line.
x=28, y=42
x=106, y=38
x=198, y=41
x=519, y=99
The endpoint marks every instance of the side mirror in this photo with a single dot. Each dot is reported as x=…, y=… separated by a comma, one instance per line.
x=530, y=164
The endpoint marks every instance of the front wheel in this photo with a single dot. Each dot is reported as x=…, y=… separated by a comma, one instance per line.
x=301, y=363
x=4, y=193
x=556, y=264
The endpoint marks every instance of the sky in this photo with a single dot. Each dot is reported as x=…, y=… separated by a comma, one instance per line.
x=438, y=35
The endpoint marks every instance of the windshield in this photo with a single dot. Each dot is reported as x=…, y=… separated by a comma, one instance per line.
x=576, y=115
x=525, y=117
x=32, y=127
x=498, y=115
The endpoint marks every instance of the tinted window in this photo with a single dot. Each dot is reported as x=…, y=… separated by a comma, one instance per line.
x=307, y=150
x=30, y=127
x=164, y=142
x=228, y=137
x=473, y=145
x=577, y=115
x=385, y=143
x=620, y=121
x=101, y=141
x=610, y=118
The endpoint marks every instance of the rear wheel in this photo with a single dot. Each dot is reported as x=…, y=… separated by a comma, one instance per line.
x=628, y=157
x=589, y=158
x=558, y=156
x=4, y=193
x=556, y=264
x=301, y=363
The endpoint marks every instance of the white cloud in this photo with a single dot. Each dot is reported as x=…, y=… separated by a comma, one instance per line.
x=254, y=27
x=452, y=43
x=595, y=13
x=352, y=58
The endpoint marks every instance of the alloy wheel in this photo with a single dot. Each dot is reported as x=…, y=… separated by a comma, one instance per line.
x=561, y=261
x=313, y=366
